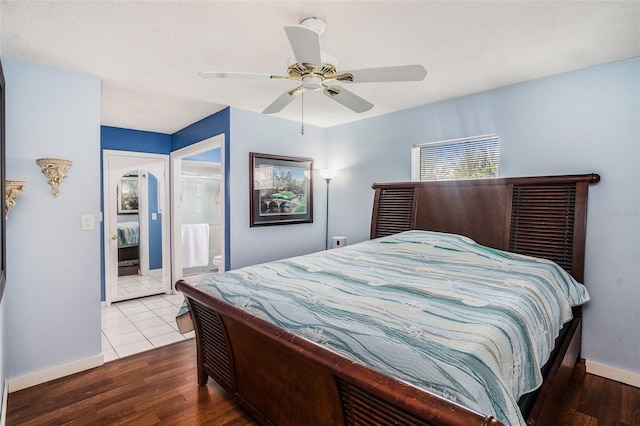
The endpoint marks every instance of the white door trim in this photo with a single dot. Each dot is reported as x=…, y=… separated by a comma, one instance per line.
x=117, y=160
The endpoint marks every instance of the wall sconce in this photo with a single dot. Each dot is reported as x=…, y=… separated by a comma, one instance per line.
x=55, y=169
x=13, y=188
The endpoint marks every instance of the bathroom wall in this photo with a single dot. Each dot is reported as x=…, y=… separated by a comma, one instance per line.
x=202, y=205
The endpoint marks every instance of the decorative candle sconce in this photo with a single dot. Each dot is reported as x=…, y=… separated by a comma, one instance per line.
x=13, y=188
x=55, y=169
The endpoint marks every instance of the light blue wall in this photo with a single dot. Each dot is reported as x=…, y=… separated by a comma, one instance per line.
x=253, y=132
x=52, y=297
x=580, y=122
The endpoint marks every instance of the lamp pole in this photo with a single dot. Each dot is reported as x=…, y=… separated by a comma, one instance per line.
x=326, y=232
x=327, y=174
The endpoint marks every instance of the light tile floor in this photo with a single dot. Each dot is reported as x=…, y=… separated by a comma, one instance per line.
x=132, y=284
x=138, y=325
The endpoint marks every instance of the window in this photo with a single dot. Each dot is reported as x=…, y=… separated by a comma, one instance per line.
x=468, y=158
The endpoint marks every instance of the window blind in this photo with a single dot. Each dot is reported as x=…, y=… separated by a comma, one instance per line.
x=468, y=158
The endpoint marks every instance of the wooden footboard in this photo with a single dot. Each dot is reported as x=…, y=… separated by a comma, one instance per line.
x=285, y=380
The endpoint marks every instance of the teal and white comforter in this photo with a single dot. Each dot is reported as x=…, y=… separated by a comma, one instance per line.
x=128, y=233
x=467, y=322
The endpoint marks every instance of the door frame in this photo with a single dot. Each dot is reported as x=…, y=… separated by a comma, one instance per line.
x=177, y=156
x=134, y=160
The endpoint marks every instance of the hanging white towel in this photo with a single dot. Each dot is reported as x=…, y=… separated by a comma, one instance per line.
x=195, y=245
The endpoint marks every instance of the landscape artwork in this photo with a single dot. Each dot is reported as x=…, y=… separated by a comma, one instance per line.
x=280, y=189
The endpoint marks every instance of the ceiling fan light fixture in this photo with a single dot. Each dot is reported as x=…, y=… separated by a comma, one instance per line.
x=312, y=83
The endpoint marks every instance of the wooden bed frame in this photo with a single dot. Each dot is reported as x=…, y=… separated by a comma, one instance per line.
x=282, y=379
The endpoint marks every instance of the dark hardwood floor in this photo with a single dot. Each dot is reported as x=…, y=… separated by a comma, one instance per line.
x=154, y=387
x=596, y=401
x=160, y=387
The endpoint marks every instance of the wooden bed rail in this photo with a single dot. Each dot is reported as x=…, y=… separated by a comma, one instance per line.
x=319, y=386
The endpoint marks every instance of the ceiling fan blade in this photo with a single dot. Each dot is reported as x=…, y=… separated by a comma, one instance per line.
x=305, y=44
x=348, y=99
x=205, y=74
x=375, y=75
x=282, y=101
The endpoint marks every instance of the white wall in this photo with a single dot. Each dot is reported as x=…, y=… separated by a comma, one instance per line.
x=253, y=132
x=52, y=297
x=580, y=122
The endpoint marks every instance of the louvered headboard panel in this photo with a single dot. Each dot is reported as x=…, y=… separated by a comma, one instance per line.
x=543, y=221
x=542, y=216
x=394, y=212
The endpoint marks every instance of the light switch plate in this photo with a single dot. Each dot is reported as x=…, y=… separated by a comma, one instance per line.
x=87, y=222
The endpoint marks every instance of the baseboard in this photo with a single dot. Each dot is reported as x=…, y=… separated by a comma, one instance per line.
x=612, y=373
x=33, y=379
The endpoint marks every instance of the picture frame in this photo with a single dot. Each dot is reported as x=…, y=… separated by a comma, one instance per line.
x=128, y=195
x=281, y=189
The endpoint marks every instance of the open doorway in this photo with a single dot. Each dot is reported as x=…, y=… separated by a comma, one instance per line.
x=198, y=197
x=136, y=227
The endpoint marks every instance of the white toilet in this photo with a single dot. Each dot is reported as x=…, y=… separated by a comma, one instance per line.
x=216, y=262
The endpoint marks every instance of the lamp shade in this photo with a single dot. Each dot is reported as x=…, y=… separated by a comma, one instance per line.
x=328, y=173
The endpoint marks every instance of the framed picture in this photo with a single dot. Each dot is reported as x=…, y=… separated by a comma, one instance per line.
x=128, y=195
x=280, y=189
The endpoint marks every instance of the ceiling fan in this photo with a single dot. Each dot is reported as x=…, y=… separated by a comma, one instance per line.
x=314, y=74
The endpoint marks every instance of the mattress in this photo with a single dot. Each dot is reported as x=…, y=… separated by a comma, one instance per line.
x=437, y=311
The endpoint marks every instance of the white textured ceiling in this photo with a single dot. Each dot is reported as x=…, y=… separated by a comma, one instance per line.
x=149, y=53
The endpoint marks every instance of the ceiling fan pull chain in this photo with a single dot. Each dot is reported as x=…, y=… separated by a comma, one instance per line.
x=302, y=119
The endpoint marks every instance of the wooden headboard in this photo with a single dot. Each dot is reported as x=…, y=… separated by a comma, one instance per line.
x=543, y=216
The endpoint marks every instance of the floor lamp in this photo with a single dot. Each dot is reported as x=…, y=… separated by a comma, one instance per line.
x=327, y=174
